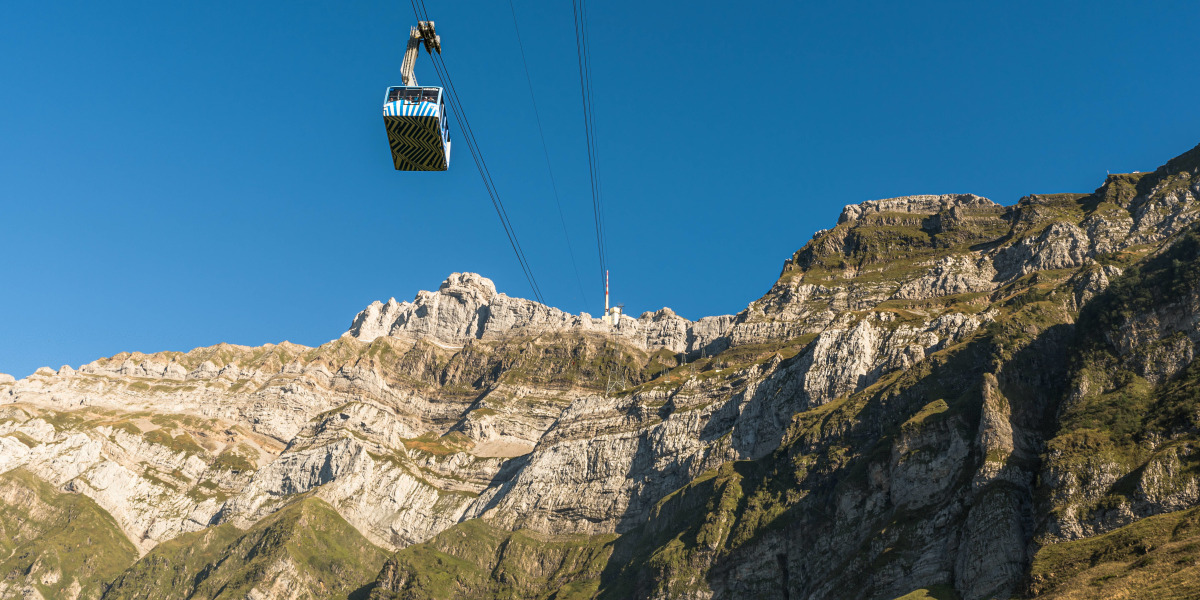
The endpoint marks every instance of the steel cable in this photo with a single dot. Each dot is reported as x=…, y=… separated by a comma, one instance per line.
x=456, y=107
x=583, y=54
x=546, y=152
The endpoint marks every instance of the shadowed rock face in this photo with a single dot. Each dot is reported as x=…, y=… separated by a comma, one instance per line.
x=910, y=405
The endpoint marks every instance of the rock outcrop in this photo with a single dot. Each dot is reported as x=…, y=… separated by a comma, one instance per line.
x=466, y=306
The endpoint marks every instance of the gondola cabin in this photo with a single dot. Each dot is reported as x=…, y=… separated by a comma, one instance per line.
x=417, y=128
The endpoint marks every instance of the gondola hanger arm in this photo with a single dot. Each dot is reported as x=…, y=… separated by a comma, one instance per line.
x=422, y=33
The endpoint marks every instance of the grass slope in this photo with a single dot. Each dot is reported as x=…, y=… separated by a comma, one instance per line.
x=937, y=592
x=1154, y=558
x=475, y=560
x=60, y=544
x=305, y=551
x=1118, y=419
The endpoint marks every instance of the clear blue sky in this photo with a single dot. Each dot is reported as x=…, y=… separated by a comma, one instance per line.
x=175, y=175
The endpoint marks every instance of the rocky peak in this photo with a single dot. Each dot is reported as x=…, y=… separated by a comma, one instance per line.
x=661, y=314
x=467, y=306
x=468, y=285
x=917, y=205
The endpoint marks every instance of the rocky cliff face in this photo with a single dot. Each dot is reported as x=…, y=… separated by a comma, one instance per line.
x=938, y=393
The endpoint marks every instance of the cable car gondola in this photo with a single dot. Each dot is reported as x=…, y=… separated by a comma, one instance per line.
x=418, y=126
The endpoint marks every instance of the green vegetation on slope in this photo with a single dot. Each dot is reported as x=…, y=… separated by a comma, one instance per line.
x=1119, y=419
x=1154, y=558
x=689, y=528
x=937, y=592
x=305, y=551
x=57, y=542
x=889, y=247
x=474, y=560
x=1168, y=277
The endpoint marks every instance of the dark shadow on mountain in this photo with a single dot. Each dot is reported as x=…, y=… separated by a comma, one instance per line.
x=866, y=425
x=506, y=477
x=362, y=593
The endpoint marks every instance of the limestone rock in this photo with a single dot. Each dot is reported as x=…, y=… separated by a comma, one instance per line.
x=920, y=205
x=950, y=275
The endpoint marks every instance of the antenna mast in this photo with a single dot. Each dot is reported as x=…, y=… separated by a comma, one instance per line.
x=606, y=294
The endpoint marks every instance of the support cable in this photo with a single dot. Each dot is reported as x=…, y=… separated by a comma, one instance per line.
x=546, y=152
x=583, y=54
x=460, y=115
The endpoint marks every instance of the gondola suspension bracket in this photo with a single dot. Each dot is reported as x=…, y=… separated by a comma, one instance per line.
x=423, y=33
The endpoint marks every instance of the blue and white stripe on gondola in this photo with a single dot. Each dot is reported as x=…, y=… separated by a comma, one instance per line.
x=401, y=108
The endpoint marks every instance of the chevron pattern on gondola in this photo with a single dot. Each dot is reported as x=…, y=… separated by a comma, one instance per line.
x=416, y=143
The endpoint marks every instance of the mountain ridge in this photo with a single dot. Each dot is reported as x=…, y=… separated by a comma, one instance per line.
x=912, y=398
